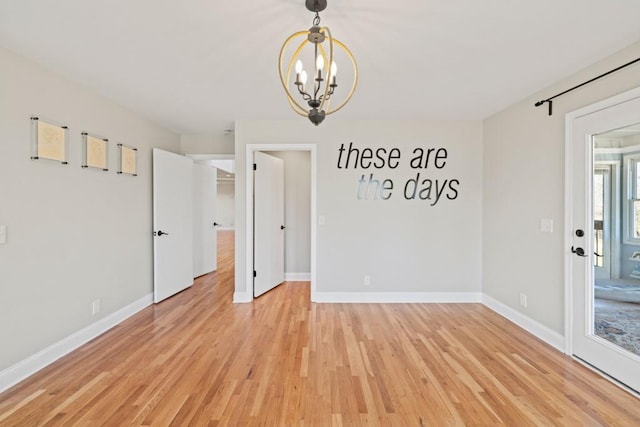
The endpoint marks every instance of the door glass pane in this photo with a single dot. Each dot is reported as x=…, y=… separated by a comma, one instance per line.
x=636, y=216
x=637, y=180
x=598, y=217
x=615, y=244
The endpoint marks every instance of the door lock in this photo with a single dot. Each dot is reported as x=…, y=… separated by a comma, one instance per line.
x=578, y=251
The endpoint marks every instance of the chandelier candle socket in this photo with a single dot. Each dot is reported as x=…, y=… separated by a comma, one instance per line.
x=320, y=94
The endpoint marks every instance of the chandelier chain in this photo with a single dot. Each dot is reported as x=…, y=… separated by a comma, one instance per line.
x=316, y=20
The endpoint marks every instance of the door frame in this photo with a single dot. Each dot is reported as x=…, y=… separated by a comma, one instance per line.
x=198, y=157
x=250, y=149
x=569, y=208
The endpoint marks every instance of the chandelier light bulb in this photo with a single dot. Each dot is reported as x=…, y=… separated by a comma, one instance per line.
x=298, y=66
x=334, y=71
x=303, y=77
x=319, y=63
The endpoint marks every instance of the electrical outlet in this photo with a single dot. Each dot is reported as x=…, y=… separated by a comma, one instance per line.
x=546, y=225
x=367, y=280
x=523, y=300
x=95, y=307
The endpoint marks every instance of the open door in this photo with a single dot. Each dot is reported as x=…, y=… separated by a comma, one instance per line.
x=268, y=213
x=172, y=224
x=205, y=239
x=605, y=305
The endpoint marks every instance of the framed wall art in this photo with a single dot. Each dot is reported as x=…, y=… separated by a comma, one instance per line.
x=95, y=152
x=127, y=160
x=49, y=140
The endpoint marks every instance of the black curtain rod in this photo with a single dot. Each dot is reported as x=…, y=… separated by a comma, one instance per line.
x=550, y=100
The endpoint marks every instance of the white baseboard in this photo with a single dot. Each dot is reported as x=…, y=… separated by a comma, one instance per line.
x=397, y=297
x=32, y=364
x=546, y=334
x=29, y=366
x=240, y=297
x=297, y=277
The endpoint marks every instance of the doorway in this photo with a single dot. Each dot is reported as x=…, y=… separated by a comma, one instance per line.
x=223, y=220
x=602, y=214
x=250, y=209
x=225, y=223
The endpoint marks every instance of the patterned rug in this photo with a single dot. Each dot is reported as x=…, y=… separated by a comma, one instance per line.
x=619, y=323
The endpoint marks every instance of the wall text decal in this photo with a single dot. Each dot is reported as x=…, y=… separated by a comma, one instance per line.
x=420, y=187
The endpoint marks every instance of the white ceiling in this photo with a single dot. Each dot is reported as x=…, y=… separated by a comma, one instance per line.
x=195, y=66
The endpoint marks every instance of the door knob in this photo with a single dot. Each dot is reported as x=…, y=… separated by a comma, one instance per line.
x=282, y=227
x=160, y=233
x=578, y=251
x=215, y=224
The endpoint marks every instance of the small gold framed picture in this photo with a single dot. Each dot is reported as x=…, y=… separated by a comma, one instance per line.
x=95, y=152
x=127, y=160
x=49, y=140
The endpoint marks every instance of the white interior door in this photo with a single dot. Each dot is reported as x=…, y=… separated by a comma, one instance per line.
x=588, y=342
x=172, y=224
x=268, y=213
x=205, y=238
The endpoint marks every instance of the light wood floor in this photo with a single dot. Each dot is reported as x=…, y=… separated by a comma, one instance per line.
x=196, y=359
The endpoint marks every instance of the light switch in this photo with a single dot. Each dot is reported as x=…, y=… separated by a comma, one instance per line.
x=3, y=234
x=546, y=225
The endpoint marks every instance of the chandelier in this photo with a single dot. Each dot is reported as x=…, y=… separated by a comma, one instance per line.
x=319, y=92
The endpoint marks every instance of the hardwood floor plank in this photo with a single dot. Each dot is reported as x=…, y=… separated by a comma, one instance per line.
x=8, y=411
x=197, y=359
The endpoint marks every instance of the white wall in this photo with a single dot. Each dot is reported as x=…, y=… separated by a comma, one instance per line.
x=297, y=210
x=74, y=235
x=523, y=182
x=404, y=245
x=206, y=144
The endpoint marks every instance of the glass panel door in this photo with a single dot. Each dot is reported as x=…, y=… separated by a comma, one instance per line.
x=616, y=294
x=604, y=263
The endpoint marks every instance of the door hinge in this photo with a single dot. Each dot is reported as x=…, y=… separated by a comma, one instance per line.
x=255, y=274
x=255, y=167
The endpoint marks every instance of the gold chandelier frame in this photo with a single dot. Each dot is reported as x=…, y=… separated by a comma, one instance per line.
x=295, y=105
x=320, y=105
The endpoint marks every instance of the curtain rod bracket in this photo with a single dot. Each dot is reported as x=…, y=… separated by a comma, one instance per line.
x=548, y=101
